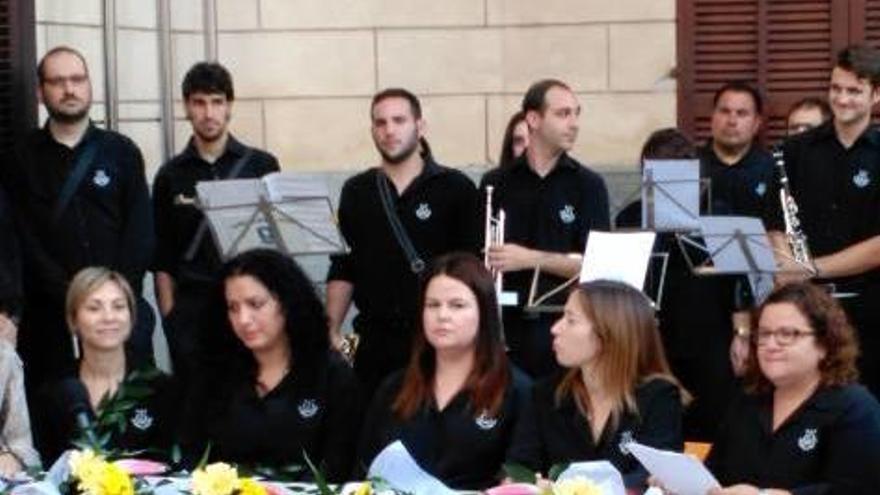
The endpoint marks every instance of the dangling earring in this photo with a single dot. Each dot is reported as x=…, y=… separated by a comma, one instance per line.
x=75, y=341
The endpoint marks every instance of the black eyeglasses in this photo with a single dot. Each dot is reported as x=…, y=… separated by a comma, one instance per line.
x=783, y=335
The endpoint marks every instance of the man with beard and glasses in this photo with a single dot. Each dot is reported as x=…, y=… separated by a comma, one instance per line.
x=551, y=203
x=187, y=259
x=80, y=198
x=395, y=218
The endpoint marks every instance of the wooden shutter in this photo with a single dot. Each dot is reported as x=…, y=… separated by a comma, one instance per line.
x=17, y=99
x=785, y=48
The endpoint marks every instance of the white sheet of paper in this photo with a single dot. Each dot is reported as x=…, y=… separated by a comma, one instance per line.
x=621, y=256
x=676, y=194
x=679, y=473
x=396, y=466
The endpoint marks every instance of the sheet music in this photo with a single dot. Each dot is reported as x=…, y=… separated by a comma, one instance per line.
x=679, y=473
x=675, y=192
x=285, y=185
x=396, y=466
x=727, y=255
x=232, y=192
x=621, y=256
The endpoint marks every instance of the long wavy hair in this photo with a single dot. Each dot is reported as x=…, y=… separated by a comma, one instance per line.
x=491, y=373
x=631, y=350
x=834, y=333
x=305, y=321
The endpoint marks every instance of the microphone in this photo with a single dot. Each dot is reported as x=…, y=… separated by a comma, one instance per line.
x=79, y=406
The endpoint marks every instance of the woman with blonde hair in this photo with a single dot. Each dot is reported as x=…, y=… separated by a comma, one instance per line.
x=100, y=311
x=615, y=387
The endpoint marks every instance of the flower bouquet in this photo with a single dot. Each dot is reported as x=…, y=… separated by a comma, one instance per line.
x=582, y=478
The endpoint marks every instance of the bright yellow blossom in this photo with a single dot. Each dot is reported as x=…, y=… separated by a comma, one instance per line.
x=364, y=489
x=248, y=486
x=577, y=485
x=215, y=479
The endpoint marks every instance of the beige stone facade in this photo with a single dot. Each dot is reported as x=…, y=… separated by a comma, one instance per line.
x=305, y=69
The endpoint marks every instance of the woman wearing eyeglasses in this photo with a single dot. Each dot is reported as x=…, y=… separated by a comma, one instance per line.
x=804, y=426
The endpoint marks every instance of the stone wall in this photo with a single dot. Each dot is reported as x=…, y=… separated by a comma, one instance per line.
x=305, y=70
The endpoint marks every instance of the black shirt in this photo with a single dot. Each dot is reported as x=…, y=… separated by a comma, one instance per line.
x=108, y=222
x=744, y=188
x=830, y=444
x=551, y=434
x=440, y=213
x=177, y=222
x=552, y=213
x=837, y=190
x=463, y=449
x=150, y=424
x=320, y=418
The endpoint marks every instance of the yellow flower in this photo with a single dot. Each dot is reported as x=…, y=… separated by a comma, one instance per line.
x=247, y=486
x=116, y=481
x=215, y=479
x=364, y=489
x=577, y=485
x=85, y=465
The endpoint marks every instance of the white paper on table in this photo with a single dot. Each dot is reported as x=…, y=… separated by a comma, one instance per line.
x=621, y=256
x=602, y=473
x=679, y=473
x=396, y=466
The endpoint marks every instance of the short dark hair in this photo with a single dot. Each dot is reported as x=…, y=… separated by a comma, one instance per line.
x=862, y=60
x=811, y=102
x=741, y=87
x=209, y=78
x=535, y=98
x=414, y=104
x=668, y=144
x=305, y=321
x=41, y=66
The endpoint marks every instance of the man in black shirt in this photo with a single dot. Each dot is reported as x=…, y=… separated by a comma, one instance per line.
x=834, y=175
x=81, y=199
x=437, y=210
x=551, y=203
x=187, y=259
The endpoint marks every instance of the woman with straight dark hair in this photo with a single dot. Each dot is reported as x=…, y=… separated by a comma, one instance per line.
x=615, y=387
x=271, y=388
x=804, y=425
x=456, y=404
x=516, y=139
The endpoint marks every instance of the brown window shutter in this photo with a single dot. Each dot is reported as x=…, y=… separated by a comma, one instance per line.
x=784, y=47
x=17, y=99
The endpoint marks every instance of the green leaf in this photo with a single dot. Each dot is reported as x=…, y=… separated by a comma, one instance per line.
x=205, y=456
x=556, y=470
x=519, y=473
x=320, y=481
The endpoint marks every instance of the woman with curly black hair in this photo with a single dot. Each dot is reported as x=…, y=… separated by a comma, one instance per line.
x=270, y=387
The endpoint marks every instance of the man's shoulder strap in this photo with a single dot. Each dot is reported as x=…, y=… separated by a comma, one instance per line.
x=81, y=165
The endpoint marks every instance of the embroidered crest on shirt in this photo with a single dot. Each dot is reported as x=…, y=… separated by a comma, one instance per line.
x=486, y=422
x=142, y=419
x=566, y=214
x=101, y=179
x=423, y=212
x=808, y=440
x=626, y=438
x=862, y=179
x=761, y=189
x=307, y=408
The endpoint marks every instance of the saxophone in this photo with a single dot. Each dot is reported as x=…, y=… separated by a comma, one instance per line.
x=794, y=234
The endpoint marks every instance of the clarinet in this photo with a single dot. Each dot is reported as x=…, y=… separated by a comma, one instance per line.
x=794, y=234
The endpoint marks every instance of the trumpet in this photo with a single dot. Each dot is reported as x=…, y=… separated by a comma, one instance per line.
x=493, y=236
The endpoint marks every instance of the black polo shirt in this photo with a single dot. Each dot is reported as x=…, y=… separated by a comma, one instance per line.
x=837, y=190
x=744, y=188
x=177, y=223
x=553, y=213
x=830, y=444
x=108, y=222
x=321, y=418
x=149, y=425
x=551, y=433
x=10, y=260
x=459, y=446
x=440, y=213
